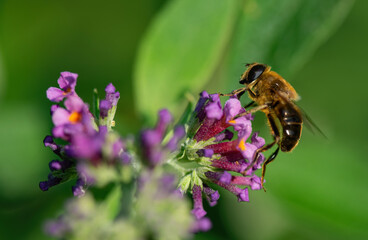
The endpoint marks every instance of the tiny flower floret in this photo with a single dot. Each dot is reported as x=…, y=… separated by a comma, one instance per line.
x=76, y=118
x=67, y=82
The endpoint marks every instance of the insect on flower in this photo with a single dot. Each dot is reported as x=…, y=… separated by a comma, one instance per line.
x=274, y=96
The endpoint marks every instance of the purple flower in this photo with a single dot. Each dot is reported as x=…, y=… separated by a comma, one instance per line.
x=225, y=178
x=211, y=195
x=205, y=153
x=105, y=106
x=111, y=94
x=75, y=119
x=111, y=100
x=49, y=142
x=51, y=181
x=55, y=165
x=67, y=82
x=202, y=225
x=198, y=210
x=151, y=139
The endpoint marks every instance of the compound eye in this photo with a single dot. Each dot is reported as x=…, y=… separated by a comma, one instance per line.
x=253, y=73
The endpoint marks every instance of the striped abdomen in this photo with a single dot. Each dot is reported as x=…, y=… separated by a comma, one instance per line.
x=291, y=121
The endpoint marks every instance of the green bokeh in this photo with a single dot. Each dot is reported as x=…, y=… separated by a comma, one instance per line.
x=316, y=192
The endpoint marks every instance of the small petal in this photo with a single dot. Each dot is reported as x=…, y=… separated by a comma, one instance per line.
x=53, y=108
x=248, y=151
x=60, y=117
x=78, y=190
x=44, y=186
x=202, y=225
x=256, y=183
x=74, y=104
x=225, y=178
x=67, y=81
x=205, y=153
x=179, y=133
x=257, y=141
x=110, y=88
x=55, y=165
x=204, y=96
x=214, y=110
x=55, y=94
x=49, y=142
x=150, y=138
x=104, y=106
x=58, y=132
x=243, y=195
x=164, y=117
x=232, y=108
x=242, y=124
x=212, y=196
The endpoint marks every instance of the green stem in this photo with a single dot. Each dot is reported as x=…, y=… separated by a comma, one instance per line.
x=177, y=167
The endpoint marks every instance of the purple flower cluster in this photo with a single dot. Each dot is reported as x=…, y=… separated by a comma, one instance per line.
x=204, y=152
x=153, y=149
x=221, y=160
x=86, y=142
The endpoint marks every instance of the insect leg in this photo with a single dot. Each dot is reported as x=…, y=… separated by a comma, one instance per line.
x=235, y=92
x=253, y=110
x=269, y=159
x=276, y=135
x=256, y=155
x=249, y=104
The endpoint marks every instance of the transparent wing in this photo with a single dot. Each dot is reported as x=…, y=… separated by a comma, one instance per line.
x=310, y=124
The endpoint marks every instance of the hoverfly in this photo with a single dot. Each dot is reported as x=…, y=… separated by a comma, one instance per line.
x=274, y=96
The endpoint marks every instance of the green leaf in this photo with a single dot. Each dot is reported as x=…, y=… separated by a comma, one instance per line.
x=283, y=34
x=181, y=51
x=192, y=42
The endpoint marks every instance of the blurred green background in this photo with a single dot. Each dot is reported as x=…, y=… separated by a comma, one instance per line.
x=154, y=52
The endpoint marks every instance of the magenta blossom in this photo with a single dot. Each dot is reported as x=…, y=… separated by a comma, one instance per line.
x=67, y=82
x=220, y=159
x=73, y=119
